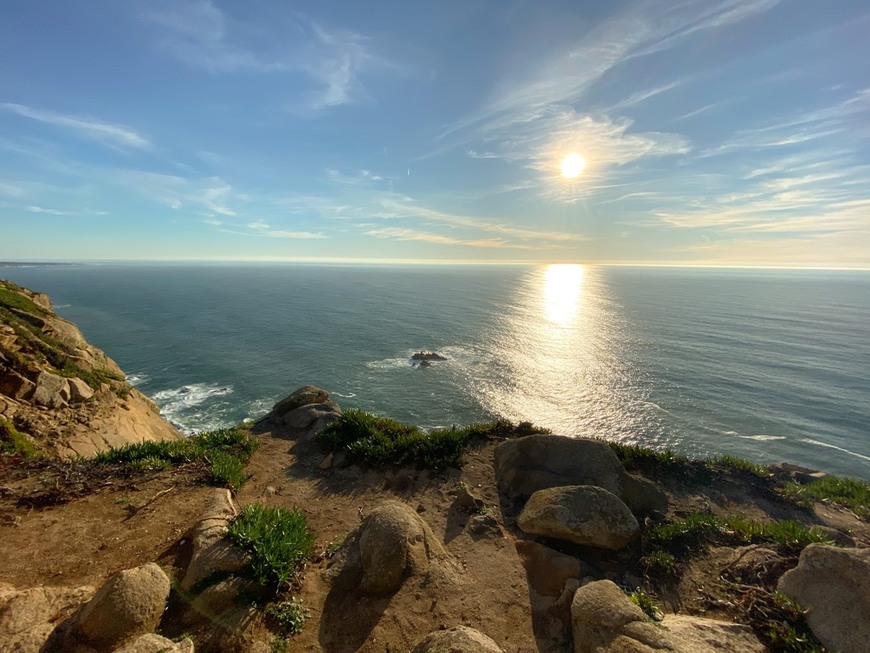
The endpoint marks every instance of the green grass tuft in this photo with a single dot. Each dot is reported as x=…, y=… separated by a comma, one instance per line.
x=382, y=441
x=739, y=465
x=646, y=603
x=849, y=492
x=695, y=528
x=225, y=451
x=94, y=378
x=277, y=540
x=660, y=563
x=13, y=441
x=11, y=299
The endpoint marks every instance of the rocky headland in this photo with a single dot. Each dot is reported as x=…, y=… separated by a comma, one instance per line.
x=344, y=532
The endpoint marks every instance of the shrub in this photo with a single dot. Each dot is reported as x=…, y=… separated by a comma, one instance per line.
x=227, y=471
x=382, y=441
x=277, y=540
x=288, y=616
x=739, y=465
x=646, y=603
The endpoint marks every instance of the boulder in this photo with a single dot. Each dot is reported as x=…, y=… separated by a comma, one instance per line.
x=210, y=551
x=307, y=394
x=52, y=391
x=459, y=639
x=130, y=604
x=833, y=585
x=15, y=386
x=305, y=417
x=796, y=473
x=79, y=390
x=154, y=643
x=28, y=617
x=548, y=570
x=537, y=462
x=582, y=514
x=604, y=620
x=392, y=543
x=643, y=496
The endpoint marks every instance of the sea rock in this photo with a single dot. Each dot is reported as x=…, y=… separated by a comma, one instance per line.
x=833, y=584
x=211, y=551
x=130, y=604
x=582, y=514
x=459, y=639
x=427, y=356
x=307, y=394
x=392, y=543
x=604, y=620
x=305, y=417
x=28, y=617
x=154, y=643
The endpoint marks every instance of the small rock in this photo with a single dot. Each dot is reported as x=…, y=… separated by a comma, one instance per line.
x=326, y=463
x=153, y=643
x=546, y=569
x=468, y=499
x=459, y=639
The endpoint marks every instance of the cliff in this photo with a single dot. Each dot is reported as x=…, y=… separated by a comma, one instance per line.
x=58, y=393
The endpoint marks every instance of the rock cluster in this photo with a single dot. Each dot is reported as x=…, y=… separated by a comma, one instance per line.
x=306, y=411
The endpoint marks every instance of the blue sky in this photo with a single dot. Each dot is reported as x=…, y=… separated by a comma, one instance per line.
x=721, y=132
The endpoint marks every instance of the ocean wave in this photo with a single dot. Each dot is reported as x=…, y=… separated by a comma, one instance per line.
x=178, y=405
x=761, y=437
x=347, y=396
x=833, y=446
x=137, y=379
x=389, y=363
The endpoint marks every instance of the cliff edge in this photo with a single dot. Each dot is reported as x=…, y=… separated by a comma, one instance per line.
x=58, y=393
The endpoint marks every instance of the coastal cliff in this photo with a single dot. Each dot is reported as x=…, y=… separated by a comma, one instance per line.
x=58, y=393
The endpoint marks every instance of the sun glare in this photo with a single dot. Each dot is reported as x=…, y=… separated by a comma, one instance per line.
x=572, y=165
x=563, y=284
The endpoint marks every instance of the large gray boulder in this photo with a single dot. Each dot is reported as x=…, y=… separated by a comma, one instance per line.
x=52, y=391
x=538, y=462
x=604, y=620
x=392, y=543
x=459, y=639
x=833, y=584
x=305, y=417
x=128, y=605
x=582, y=514
x=307, y=394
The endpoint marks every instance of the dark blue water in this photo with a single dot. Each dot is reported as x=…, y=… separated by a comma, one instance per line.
x=769, y=365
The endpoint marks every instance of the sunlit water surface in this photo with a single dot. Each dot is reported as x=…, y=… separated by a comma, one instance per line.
x=770, y=365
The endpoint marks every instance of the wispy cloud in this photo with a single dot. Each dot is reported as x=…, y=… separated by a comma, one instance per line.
x=397, y=233
x=110, y=134
x=200, y=35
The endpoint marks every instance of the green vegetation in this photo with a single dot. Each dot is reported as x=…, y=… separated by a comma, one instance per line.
x=381, y=441
x=277, y=540
x=739, y=465
x=94, y=378
x=848, y=492
x=687, y=533
x=782, y=625
x=13, y=441
x=660, y=563
x=224, y=450
x=646, y=603
x=12, y=299
x=288, y=616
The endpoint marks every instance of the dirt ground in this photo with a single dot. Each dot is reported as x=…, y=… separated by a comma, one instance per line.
x=490, y=584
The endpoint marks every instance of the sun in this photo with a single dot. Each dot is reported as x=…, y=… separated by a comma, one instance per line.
x=572, y=165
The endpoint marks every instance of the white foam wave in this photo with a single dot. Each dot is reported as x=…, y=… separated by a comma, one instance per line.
x=833, y=446
x=187, y=396
x=350, y=395
x=761, y=437
x=388, y=363
x=137, y=379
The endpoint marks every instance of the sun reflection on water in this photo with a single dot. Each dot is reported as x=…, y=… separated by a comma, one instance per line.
x=563, y=285
x=560, y=354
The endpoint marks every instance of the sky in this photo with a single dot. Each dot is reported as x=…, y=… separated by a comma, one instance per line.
x=714, y=132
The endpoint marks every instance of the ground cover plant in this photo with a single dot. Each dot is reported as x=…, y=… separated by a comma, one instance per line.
x=13, y=442
x=278, y=542
x=374, y=440
x=852, y=493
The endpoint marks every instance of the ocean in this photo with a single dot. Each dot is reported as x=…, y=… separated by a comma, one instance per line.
x=768, y=365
